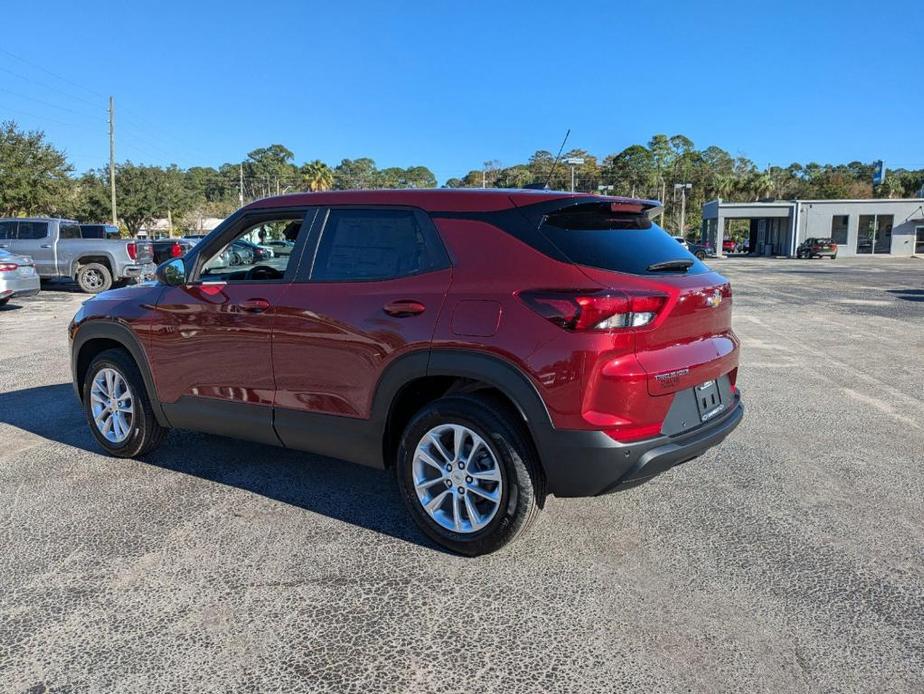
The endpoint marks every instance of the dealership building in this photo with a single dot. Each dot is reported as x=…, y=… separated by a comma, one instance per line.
x=858, y=227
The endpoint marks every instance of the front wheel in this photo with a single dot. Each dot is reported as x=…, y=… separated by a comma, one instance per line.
x=700, y=254
x=117, y=407
x=468, y=474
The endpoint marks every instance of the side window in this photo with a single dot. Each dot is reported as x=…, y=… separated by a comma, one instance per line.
x=375, y=244
x=32, y=230
x=252, y=255
x=7, y=231
x=69, y=231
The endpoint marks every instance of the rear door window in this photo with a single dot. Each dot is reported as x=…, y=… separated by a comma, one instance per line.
x=376, y=244
x=593, y=234
x=7, y=230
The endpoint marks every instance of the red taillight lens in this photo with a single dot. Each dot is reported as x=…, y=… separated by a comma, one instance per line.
x=726, y=290
x=176, y=250
x=132, y=250
x=8, y=267
x=594, y=310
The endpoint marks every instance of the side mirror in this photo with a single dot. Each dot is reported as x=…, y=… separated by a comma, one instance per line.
x=172, y=273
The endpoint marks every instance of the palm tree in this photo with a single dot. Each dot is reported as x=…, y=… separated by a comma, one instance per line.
x=317, y=176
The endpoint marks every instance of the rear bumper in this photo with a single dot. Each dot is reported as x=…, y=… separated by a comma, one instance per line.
x=589, y=463
x=142, y=272
x=19, y=287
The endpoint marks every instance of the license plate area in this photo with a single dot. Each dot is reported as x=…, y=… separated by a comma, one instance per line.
x=708, y=400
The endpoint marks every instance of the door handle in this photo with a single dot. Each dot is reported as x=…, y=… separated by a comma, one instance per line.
x=46, y=245
x=254, y=305
x=404, y=308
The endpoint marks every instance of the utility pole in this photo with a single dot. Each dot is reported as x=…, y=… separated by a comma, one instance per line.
x=683, y=188
x=115, y=216
x=240, y=193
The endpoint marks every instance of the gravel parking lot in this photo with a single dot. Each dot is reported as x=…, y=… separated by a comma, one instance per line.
x=789, y=559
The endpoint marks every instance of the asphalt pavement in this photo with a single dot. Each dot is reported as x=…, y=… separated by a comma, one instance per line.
x=790, y=558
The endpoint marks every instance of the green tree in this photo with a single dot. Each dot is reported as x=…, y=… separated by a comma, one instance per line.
x=269, y=171
x=317, y=176
x=34, y=176
x=352, y=174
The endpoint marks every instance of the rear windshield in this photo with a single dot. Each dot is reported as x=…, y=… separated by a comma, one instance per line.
x=594, y=235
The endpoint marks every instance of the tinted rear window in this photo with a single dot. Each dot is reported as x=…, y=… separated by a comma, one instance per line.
x=594, y=235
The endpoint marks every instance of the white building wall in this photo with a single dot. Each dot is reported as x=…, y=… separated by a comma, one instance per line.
x=816, y=217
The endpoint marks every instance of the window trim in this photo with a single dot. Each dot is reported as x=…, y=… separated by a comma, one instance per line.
x=307, y=271
x=234, y=225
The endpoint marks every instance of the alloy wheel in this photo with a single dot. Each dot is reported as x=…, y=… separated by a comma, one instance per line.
x=457, y=478
x=112, y=405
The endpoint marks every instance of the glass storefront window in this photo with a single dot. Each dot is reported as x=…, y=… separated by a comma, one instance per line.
x=875, y=233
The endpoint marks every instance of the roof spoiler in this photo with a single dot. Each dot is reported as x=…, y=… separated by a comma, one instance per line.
x=649, y=208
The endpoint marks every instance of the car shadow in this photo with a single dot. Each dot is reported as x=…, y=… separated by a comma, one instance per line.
x=10, y=307
x=354, y=494
x=907, y=294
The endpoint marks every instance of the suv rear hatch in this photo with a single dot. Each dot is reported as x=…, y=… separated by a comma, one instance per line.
x=689, y=342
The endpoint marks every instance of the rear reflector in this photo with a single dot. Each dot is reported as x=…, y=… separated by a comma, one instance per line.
x=634, y=433
x=594, y=310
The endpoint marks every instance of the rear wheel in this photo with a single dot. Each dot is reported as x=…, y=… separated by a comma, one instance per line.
x=117, y=407
x=468, y=474
x=94, y=278
x=700, y=254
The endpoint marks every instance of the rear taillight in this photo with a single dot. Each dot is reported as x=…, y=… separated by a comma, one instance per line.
x=8, y=267
x=132, y=250
x=176, y=250
x=594, y=310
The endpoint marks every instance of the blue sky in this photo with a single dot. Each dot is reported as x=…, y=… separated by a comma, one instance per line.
x=450, y=85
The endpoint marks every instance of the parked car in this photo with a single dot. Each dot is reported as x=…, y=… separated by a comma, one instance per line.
x=491, y=347
x=698, y=250
x=817, y=248
x=165, y=249
x=730, y=246
x=17, y=277
x=280, y=247
x=241, y=253
x=58, y=248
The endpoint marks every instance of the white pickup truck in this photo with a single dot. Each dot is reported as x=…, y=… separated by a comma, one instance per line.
x=59, y=248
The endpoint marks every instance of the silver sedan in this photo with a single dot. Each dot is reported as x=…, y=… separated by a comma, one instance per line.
x=17, y=277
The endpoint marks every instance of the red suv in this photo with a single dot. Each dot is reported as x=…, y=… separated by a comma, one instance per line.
x=491, y=346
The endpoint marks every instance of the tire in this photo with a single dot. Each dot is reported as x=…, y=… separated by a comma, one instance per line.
x=94, y=278
x=700, y=254
x=144, y=434
x=834, y=257
x=504, y=443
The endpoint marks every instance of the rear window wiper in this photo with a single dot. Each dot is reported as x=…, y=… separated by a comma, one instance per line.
x=678, y=264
